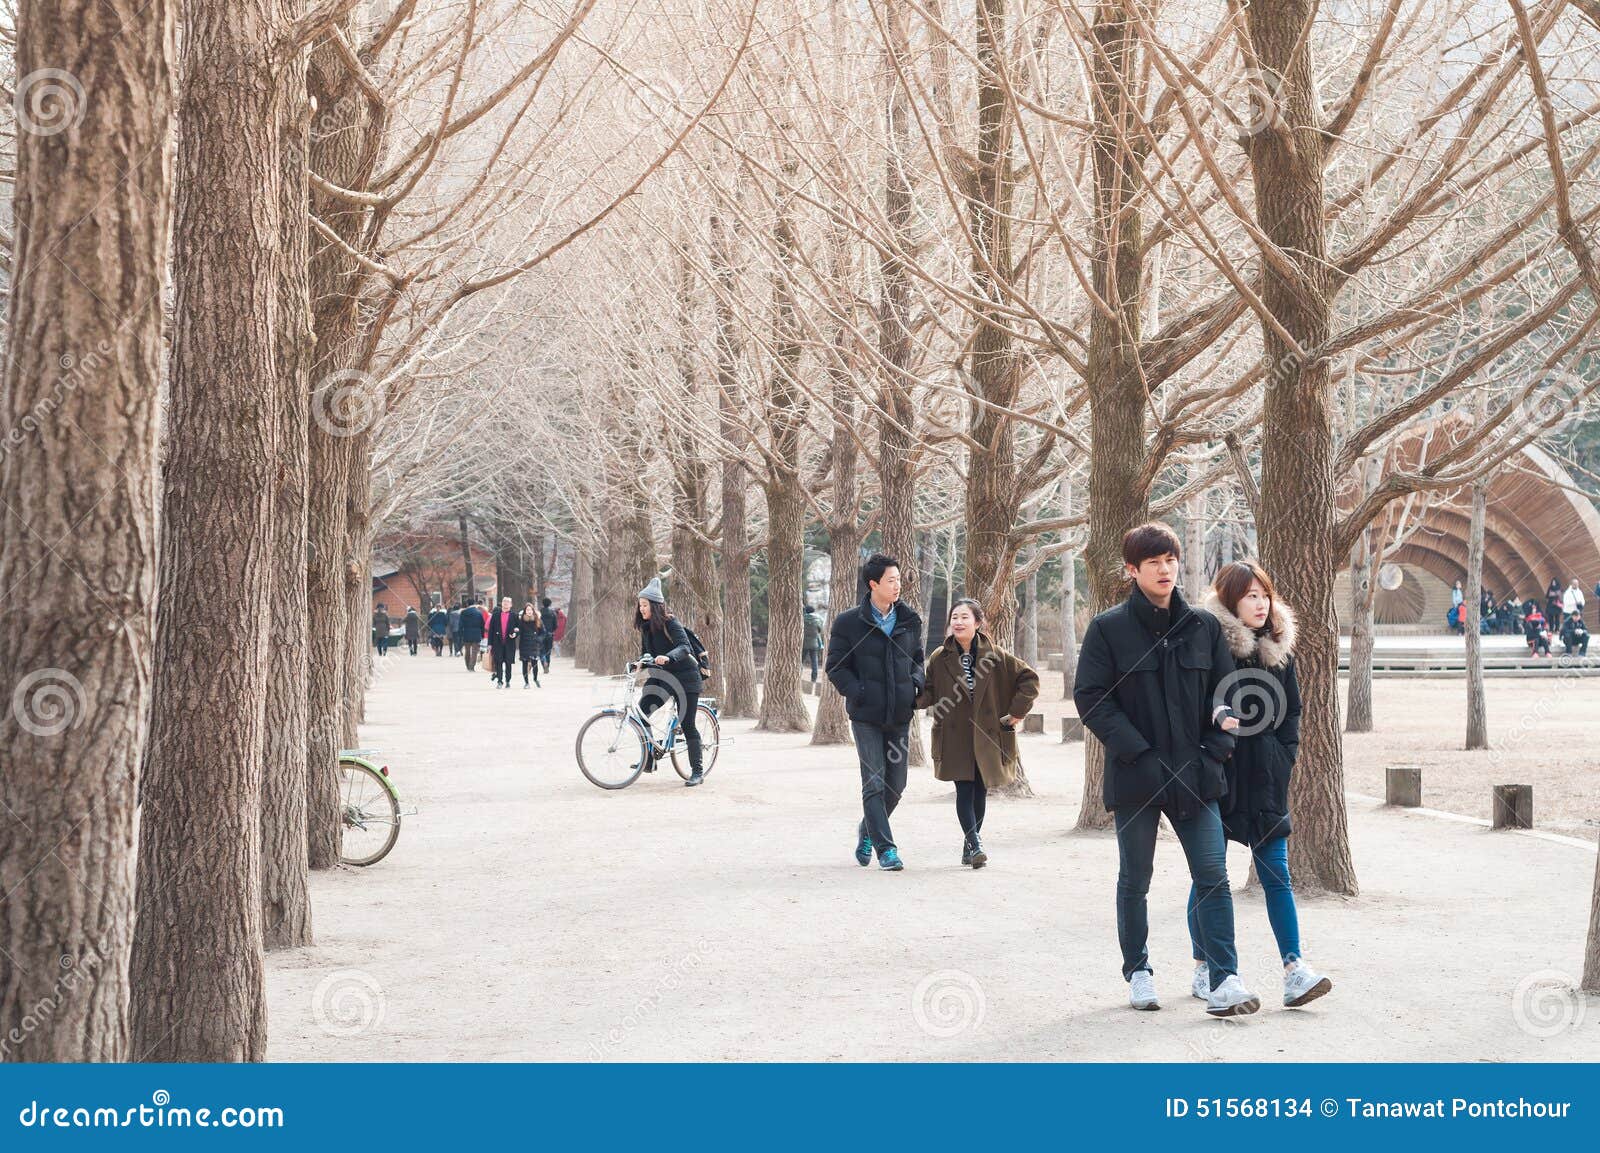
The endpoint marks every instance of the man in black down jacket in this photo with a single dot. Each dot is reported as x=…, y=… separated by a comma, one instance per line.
x=1152, y=675
x=875, y=661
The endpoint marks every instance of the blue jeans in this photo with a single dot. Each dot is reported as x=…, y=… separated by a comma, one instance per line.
x=1272, y=866
x=1206, y=850
x=883, y=754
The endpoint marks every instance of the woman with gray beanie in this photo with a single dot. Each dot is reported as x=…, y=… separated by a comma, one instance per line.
x=676, y=675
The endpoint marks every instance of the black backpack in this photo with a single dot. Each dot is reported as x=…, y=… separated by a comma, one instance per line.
x=701, y=657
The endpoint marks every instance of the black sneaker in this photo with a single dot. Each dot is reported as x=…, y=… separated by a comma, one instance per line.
x=977, y=858
x=695, y=778
x=966, y=854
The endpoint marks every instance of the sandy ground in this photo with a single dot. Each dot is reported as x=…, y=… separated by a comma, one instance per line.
x=527, y=915
x=1542, y=733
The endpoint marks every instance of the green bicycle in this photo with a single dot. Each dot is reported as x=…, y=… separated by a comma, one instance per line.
x=370, y=807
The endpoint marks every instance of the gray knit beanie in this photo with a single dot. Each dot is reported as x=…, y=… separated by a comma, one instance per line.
x=652, y=592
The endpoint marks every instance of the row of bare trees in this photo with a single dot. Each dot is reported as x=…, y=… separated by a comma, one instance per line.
x=229, y=359
x=1046, y=270
x=676, y=283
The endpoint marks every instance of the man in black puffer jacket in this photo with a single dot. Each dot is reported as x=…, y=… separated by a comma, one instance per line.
x=1152, y=675
x=875, y=661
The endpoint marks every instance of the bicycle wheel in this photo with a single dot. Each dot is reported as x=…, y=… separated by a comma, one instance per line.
x=371, y=815
x=710, y=738
x=612, y=749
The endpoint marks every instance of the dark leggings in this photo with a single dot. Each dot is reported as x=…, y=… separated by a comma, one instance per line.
x=658, y=693
x=530, y=663
x=971, y=799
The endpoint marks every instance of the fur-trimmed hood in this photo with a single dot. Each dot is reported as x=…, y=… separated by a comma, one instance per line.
x=1276, y=646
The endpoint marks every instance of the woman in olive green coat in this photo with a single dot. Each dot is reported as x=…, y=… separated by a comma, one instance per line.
x=976, y=694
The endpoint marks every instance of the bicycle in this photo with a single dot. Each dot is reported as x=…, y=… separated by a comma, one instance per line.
x=370, y=809
x=619, y=743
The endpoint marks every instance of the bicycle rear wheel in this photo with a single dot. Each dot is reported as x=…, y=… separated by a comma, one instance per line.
x=612, y=749
x=370, y=822
x=710, y=738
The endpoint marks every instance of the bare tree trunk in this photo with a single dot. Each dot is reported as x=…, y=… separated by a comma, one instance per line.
x=1118, y=499
x=737, y=662
x=198, y=993
x=1194, y=545
x=897, y=421
x=83, y=370
x=897, y=446
x=1363, y=563
x=694, y=589
x=1477, y=711
x=1591, y=955
x=578, y=639
x=285, y=902
x=1297, y=480
x=357, y=583
x=992, y=493
x=338, y=129
x=844, y=528
x=1358, y=695
x=630, y=564
x=1030, y=620
x=844, y=553
x=1069, y=625
x=783, y=708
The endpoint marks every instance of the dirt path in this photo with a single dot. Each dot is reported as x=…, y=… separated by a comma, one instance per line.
x=527, y=915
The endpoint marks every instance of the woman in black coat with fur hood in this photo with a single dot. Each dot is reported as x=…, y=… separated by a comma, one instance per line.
x=1264, y=693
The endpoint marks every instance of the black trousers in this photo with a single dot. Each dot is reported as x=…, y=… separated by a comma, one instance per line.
x=658, y=693
x=505, y=660
x=544, y=650
x=972, y=798
x=530, y=664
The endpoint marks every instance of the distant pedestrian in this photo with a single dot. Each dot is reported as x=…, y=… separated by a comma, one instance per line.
x=1575, y=636
x=530, y=642
x=451, y=630
x=380, y=629
x=1572, y=600
x=811, y=646
x=413, y=624
x=503, y=642
x=469, y=628
x=550, y=620
x=438, y=627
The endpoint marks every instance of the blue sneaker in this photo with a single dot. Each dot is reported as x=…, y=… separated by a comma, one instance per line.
x=864, y=852
x=890, y=859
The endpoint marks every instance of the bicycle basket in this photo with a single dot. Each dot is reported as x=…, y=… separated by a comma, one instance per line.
x=610, y=692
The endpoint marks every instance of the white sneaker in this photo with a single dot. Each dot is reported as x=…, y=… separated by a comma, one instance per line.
x=1302, y=984
x=1142, y=990
x=1202, y=981
x=1231, y=998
